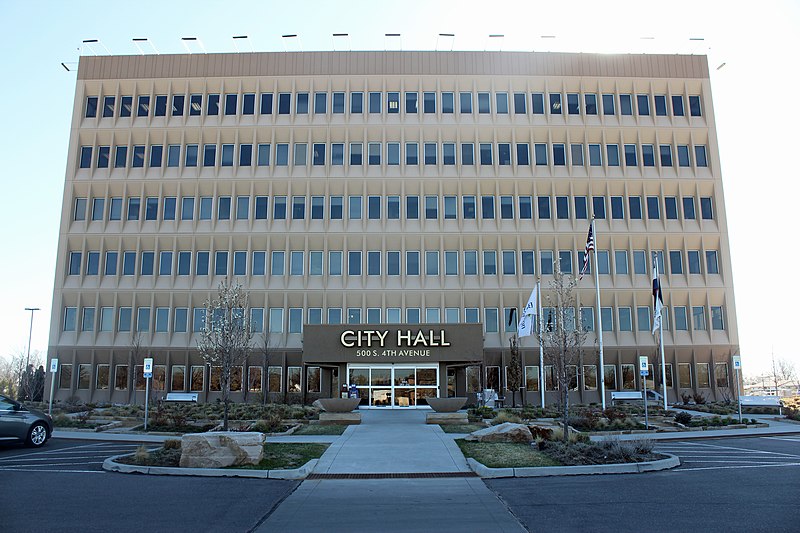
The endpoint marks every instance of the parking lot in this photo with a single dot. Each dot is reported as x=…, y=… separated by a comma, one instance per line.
x=718, y=454
x=61, y=456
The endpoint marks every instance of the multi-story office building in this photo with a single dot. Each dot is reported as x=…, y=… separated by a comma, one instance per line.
x=416, y=195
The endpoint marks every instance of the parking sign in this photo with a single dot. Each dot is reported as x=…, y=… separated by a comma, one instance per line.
x=148, y=367
x=737, y=362
x=643, y=367
x=54, y=365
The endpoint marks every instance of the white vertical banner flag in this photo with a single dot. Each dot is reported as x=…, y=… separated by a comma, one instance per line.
x=658, y=301
x=528, y=315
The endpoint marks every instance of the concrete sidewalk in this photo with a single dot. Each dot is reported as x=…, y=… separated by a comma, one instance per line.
x=392, y=442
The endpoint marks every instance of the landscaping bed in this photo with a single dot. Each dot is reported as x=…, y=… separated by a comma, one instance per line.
x=558, y=453
x=320, y=429
x=277, y=455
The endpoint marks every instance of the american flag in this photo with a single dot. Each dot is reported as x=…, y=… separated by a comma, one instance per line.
x=658, y=300
x=589, y=248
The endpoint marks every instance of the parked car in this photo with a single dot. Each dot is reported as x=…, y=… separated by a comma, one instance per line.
x=28, y=425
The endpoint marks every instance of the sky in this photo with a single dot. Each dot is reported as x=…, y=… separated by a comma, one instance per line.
x=751, y=48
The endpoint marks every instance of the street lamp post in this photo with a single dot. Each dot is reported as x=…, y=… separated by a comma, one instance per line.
x=28, y=359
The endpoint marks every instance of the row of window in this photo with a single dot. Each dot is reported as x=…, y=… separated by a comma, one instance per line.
x=194, y=381
x=280, y=320
x=393, y=102
x=377, y=153
x=587, y=374
x=391, y=207
x=377, y=263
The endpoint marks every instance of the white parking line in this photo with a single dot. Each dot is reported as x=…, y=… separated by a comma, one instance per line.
x=717, y=446
x=64, y=459
x=679, y=470
x=50, y=470
x=13, y=467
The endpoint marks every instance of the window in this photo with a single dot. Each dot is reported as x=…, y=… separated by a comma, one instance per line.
x=693, y=260
x=335, y=263
x=685, y=375
x=688, y=208
x=431, y=207
x=277, y=263
x=86, y=157
x=412, y=154
x=621, y=261
x=617, y=208
x=487, y=207
x=411, y=103
x=706, y=210
x=143, y=108
x=676, y=262
x=338, y=103
x=565, y=261
x=519, y=104
x=298, y=207
x=432, y=263
x=628, y=377
x=537, y=103
x=491, y=322
x=468, y=207
x=276, y=320
x=643, y=105
x=555, y=104
x=412, y=263
x=501, y=103
x=630, y=155
x=354, y=263
x=653, y=211
x=573, y=104
x=681, y=322
x=503, y=154
x=625, y=104
x=373, y=263
x=699, y=318
x=471, y=262
x=393, y=102
x=111, y=264
x=635, y=207
x=543, y=207
x=464, y=102
x=648, y=155
x=484, y=103
x=128, y=263
x=546, y=261
x=412, y=207
x=295, y=320
x=603, y=262
x=559, y=154
x=284, y=103
x=485, y=151
x=612, y=155
x=721, y=375
x=84, y=375
x=374, y=154
x=467, y=154
x=665, y=154
x=643, y=319
x=300, y=154
x=450, y=263
x=301, y=104
x=523, y=154
x=374, y=102
x=607, y=318
x=587, y=318
x=509, y=262
x=703, y=377
x=717, y=321
x=608, y=104
x=595, y=155
x=148, y=258
x=712, y=266
x=429, y=153
x=599, y=207
x=671, y=207
x=356, y=103
x=700, y=156
x=103, y=156
x=677, y=105
x=393, y=263
x=694, y=106
x=429, y=102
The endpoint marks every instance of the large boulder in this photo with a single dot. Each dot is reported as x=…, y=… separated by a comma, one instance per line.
x=505, y=432
x=219, y=449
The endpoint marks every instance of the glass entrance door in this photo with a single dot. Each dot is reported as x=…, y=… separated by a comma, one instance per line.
x=394, y=386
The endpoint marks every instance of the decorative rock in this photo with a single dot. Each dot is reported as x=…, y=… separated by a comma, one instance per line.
x=543, y=432
x=339, y=405
x=446, y=405
x=221, y=449
x=505, y=432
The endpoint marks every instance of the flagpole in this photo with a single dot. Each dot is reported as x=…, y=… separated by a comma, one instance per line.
x=539, y=318
x=599, y=322
x=661, y=345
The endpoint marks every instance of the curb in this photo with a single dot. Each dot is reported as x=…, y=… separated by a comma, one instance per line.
x=111, y=465
x=546, y=471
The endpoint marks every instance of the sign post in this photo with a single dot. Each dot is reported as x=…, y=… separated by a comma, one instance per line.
x=53, y=371
x=148, y=373
x=643, y=370
x=737, y=365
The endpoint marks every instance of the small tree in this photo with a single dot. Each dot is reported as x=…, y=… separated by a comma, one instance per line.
x=562, y=337
x=514, y=371
x=225, y=336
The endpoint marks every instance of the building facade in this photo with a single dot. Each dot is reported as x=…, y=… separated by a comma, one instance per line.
x=386, y=212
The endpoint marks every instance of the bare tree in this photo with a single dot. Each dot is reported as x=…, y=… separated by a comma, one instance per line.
x=225, y=336
x=17, y=380
x=514, y=371
x=562, y=337
x=136, y=354
x=266, y=352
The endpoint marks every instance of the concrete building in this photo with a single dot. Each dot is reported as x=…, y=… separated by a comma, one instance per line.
x=416, y=195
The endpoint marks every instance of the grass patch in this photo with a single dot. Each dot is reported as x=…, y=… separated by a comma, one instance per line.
x=286, y=455
x=461, y=428
x=159, y=457
x=320, y=429
x=505, y=454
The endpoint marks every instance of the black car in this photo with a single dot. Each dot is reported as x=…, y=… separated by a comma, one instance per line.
x=28, y=425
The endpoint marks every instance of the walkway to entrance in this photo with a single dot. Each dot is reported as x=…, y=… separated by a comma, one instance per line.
x=397, y=441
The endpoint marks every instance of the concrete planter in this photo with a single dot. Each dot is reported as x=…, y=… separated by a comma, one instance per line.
x=339, y=405
x=446, y=405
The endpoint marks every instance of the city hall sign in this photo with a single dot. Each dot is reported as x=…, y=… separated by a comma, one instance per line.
x=398, y=343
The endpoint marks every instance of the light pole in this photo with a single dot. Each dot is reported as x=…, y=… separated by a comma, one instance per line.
x=28, y=360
